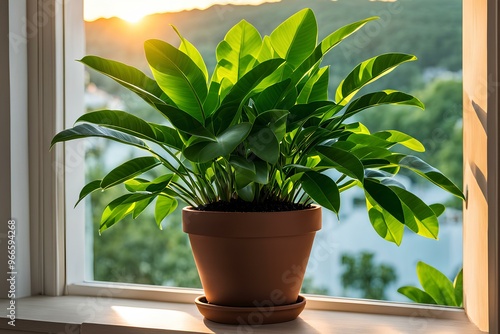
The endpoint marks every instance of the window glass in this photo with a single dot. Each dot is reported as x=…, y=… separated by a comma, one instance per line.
x=348, y=259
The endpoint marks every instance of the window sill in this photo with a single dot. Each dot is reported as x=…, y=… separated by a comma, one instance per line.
x=96, y=315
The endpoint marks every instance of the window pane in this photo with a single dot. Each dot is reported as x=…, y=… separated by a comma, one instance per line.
x=349, y=258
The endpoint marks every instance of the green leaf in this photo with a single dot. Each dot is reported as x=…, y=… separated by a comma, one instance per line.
x=438, y=209
x=238, y=52
x=270, y=97
x=422, y=220
x=384, y=223
x=380, y=98
x=342, y=160
x=130, y=124
x=164, y=206
x=119, y=208
x=184, y=121
x=89, y=130
x=316, y=87
x=322, y=189
x=266, y=51
x=129, y=170
x=428, y=172
x=129, y=77
x=238, y=96
x=436, y=284
x=245, y=171
x=247, y=193
x=178, y=76
x=264, y=144
x=168, y=136
x=369, y=71
x=417, y=295
x=225, y=143
x=325, y=46
x=386, y=198
x=299, y=113
x=192, y=52
x=458, y=284
x=88, y=189
x=401, y=138
x=295, y=38
x=141, y=205
x=213, y=98
x=158, y=184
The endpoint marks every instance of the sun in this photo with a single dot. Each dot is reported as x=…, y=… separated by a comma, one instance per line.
x=131, y=16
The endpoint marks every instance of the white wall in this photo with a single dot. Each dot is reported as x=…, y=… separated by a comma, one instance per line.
x=14, y=202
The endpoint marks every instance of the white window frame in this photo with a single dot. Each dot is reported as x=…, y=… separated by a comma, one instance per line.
x=57, y=236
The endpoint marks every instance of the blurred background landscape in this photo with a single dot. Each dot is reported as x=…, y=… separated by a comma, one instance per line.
x=349, y=259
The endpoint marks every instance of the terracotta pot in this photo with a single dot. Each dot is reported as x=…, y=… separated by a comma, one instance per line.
x=251, y=259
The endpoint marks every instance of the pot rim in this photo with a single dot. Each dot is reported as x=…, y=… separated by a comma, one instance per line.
x=191, y=209
x=251, y=224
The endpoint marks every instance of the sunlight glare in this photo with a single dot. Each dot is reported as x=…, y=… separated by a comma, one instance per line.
x=134, y=10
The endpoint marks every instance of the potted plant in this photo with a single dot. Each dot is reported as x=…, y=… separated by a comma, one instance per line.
x=250, y=149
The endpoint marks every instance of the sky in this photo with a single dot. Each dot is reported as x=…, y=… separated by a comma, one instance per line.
x=134, y=10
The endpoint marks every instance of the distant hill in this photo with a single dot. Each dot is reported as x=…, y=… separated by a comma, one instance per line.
x=429, y=29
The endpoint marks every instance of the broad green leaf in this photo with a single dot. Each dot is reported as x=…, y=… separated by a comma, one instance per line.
x=388, y=227
x=88, y=189
x=213, y=98
x=178, y=76
x=325, y=46
x=425, y=170
x=245, y=171
x=417, y=295
x=458, y=284
x=322, y=189
x=379, y=98
x=266, y=51
x=316, y=88
x=426, y=222
x=238, y=52
x=275, y=119
x=438, y=209
x=369, y=71
x=190, y=50
x=247, y=193
x=401, y=138
x=238, y=96
x=164, y=206
x=168, y=136
x=436, y=284
x=342, y=160
x=362, y=139
x=184, y=121
x=261, y=172
x=270, y=97
x=225, y=143
x=119, y=208
x=158, y=184
x=386, y=198
x=141, y=205
x=299, y=113
x=129, y=170
x=121, y=121
x=264, y=144
x=296, y=37
x=89, y=130
x=129, y=77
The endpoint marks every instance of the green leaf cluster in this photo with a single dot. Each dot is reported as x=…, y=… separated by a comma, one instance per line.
x=261, y=128
x=437, y=288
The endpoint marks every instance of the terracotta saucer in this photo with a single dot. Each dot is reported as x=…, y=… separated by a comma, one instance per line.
x=251, y=316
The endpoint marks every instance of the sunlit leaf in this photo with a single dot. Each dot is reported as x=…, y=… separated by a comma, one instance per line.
x=322, y=189
x=129, y=170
